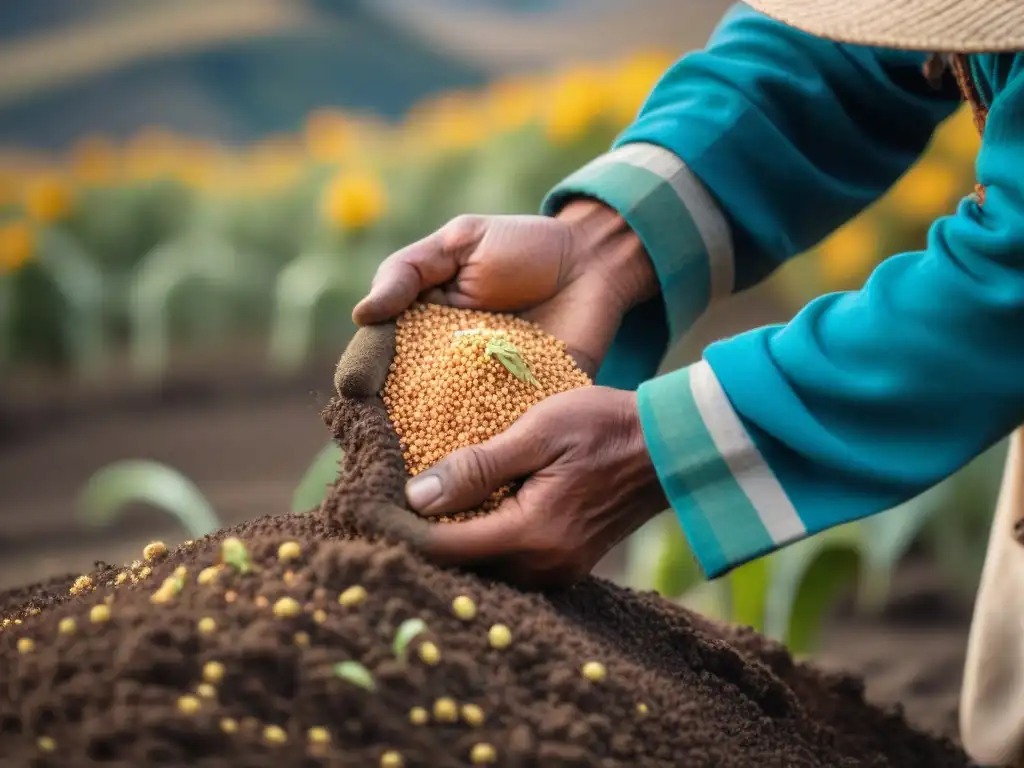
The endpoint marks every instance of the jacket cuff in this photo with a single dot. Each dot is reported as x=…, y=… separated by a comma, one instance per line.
x=730, y=504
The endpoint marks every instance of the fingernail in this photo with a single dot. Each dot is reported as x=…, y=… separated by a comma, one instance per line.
x=423, y=491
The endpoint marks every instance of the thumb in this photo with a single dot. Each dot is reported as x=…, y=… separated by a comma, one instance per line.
x=465, y=478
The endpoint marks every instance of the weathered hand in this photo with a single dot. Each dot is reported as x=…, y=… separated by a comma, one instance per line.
x=590, y=483
x=575, y=274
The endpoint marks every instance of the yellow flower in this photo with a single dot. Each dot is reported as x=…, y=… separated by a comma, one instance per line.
x=354, y=200
x=633, y=80
x=94, y=160
x=578, y=97
x=328, y=135
x=512, y=102
x=48, y=198
x=849, y=254
x=17, y=244
x=928, y=191
x=454, y=120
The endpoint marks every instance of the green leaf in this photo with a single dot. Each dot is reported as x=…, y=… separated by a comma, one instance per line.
x=675, y=568
x=312, y=489
x=355, y=673
x=748, y=593
x=505, y=352
x=110, y=489
x=234, y=553
x=407, y=630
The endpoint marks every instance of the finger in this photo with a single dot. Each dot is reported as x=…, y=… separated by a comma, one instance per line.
x=482, y=538
x=397, y=524
x=466, y=478
x=363, y=367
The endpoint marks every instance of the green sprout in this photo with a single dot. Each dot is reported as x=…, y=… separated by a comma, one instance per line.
x=355, y=673
x=405, y=634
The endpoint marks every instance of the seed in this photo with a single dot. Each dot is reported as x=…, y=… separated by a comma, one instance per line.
x=472, y=714
x=46, y=744
x=99, y=614
x=274, y=734
x=482, y=754
x=391, y=759
x=319, y=616
x=153, y=549
x=446, y=710
x=464, y=607
x=208, y=575
x=228, y=725
x=301, y=639
x=641, y=709
x=419, y=716
x=499, y=636
x=180, y=572
x=188, y=705
x=145, y=572
x=213, y=672
x=352, y=596
x=288, y=551
x=318, y=735
x=287, y=607
x=207, y=625
x=121, y=578
x=26, y=645
x=261, y=601
x=206, y=691
x=429, y=653
x=67, y=626
x=230, y=596
x=82, y=584
x=594, y=671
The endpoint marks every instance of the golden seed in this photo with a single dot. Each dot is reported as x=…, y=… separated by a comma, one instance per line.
x=419, y=716
x=206, y=691
x=391, y=759
x=319, y=616
x=318, y=735
x=180, y=572
x=472, y=714
x=206, y=625
x=26, y=645
x=208, y=575
x=499, y=636
x=36, y=611
x=99, y=614
x=188, y=704
x=464, y=607
x=301, y=639
x=446, y=710
x=274, y=734
x=261, y=601
x=288, y=551
x=153, y=549
x=641, y=709
x=121, y=578
x=352, y=596
x=67, y=626
x=213, y=671
x=429, y=653
x=145, y=571
x=482, y=754
x=46, y=744
x=228, y=725
x=594, y=671
x=287, y=607
x=230, y=596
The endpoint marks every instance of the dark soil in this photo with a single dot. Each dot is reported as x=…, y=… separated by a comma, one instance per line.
x=107, y=694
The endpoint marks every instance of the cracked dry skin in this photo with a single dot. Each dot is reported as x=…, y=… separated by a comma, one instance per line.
x=109, y=693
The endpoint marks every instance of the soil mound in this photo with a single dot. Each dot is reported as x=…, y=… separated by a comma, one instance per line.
x=240, y=668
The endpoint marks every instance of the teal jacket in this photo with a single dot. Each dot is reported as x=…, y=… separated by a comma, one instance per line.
x=746, y=154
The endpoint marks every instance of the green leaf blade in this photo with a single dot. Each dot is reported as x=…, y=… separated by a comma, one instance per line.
x=407, y=631
x=355, y=673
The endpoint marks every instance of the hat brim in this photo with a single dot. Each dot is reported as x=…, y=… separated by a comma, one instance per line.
x=940, y=26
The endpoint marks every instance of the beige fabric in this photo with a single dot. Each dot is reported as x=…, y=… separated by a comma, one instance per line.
x=938, y=26
x=992, y=699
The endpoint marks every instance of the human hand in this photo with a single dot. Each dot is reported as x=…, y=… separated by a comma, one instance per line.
x=590, y=483
x=575, y=274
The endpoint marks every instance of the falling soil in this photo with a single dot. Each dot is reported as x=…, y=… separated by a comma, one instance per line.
x=222, y=674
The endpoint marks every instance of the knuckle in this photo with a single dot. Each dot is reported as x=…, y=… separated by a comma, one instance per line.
x=461, y=232
x=476, y=469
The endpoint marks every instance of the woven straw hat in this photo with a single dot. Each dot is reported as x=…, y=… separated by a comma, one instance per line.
x=936, y=26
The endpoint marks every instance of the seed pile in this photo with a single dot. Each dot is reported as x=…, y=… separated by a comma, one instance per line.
x=446, y=391
x=391, y=661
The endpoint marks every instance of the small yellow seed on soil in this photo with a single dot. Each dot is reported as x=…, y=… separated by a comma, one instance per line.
x=473, y=715
x=429, y=653
x=145, y=571
x=82, y=584
x=213, y=671
x=206, y=691
x=228, y=725
x=262, y=601
x=274, y=734
x=206, y=625
x=121, y=578
x=189, y=704
x=153, y=549
x=642, y=709
x=482, y=754
x=207, y=575
x=419, y=716
x=352, y=596
x=180, y=572
x=287, y=607
x=391, y=759
x=67, y=626
x=594, y=671
x=499, y=636
x=99, y=614
x=319, y=616
x=230, y=596
x=26, y=645
x=46, y=744
x=446, y=710
x=301, y=639
x=318, y=735
x=464, y=607
x=288, y=551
